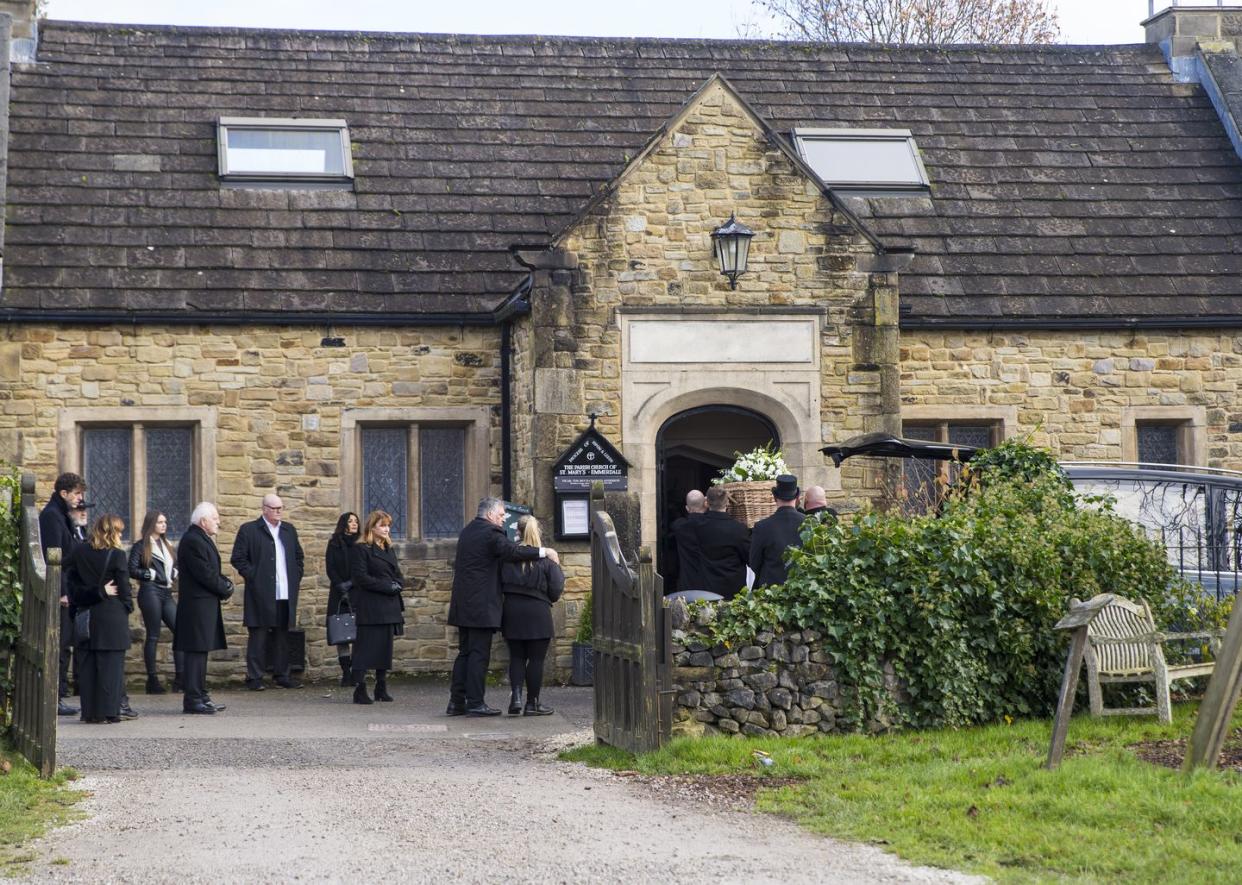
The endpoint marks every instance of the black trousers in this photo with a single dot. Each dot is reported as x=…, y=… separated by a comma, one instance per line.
x=68, y=650
x=474, y=651
x=256, y=647
x=102, y=683
x=194, y=677
x=526, y=657
x=158, y=606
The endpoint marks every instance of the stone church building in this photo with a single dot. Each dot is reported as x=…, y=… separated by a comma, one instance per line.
x=399, y=271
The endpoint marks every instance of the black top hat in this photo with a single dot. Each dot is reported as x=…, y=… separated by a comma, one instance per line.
x=786, y=488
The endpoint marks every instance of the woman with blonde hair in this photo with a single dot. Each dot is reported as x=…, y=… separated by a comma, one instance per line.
x=529, y=589
x=152, y=563
x=97, y=575
x=377, y=603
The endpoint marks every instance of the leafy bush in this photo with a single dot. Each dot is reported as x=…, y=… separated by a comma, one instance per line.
x=962, y=604
x=586, y=623
x=10, y=577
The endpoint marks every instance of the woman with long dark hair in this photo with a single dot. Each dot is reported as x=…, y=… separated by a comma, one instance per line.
x=529, y=589
x=98, y=581
x=336, y=564
x=153, y=564
x=376, y=597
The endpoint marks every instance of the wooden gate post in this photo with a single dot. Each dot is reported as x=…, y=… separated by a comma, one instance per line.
x=36, y=665
x=1216, y=710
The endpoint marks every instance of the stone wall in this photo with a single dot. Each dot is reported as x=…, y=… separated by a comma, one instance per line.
x=781, y=685
x=1079, y=393
x=276, y=398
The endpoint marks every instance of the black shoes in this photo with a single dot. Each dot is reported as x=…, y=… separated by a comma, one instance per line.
x=286, y=682
x=381, y=692
x=63, y=709
x=455, y=709
x=177, y=687
x=219, y=708
x=515, y=702
x=482, y=710
x=127, y=712
x=347, y=673
x=360, y=694
x=534, y=708
x=255, y=685
x=154, y=687
x=200, y=709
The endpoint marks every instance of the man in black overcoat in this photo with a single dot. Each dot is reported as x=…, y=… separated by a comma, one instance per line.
x=476, y=603
x=724, y=546
x=202, y=587
x=61, y=524
x=776, y=533
x=269, y=558
x=689, y=565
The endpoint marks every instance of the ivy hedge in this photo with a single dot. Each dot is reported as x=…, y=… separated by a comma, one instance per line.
x=10, y=579
x=962, y=603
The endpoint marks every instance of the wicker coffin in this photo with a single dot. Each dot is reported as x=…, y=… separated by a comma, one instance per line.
x=750, y=501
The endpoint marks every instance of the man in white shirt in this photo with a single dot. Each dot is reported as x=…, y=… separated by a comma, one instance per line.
x=269, y=558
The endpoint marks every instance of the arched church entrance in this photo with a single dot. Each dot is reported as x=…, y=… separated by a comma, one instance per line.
x=692, y=447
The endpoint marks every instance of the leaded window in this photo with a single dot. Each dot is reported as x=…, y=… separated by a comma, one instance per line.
x=417, y=474
x=1160, y=442
x=135, y=468
x=924, y=481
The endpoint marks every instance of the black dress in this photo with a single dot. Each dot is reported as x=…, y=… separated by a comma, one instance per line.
x=529, y=589
x=378, y=606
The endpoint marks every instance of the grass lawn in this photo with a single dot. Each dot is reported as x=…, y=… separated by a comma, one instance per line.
x=978, y=799
x=28, y=806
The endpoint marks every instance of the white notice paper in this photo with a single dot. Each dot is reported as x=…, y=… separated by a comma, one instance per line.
x=575, y=516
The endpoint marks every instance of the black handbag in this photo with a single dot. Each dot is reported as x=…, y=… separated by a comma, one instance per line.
x=342, y=628
x=82, y=626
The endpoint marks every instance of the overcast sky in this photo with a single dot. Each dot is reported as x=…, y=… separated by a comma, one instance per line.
x=1082, y=21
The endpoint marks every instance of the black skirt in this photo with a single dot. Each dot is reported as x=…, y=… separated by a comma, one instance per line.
x=373, y=647
x=525, y=617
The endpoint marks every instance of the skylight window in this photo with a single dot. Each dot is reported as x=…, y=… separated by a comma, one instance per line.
x=273, y=149
x=863, y=159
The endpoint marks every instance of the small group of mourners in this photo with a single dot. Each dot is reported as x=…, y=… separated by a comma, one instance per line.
x=499, y=584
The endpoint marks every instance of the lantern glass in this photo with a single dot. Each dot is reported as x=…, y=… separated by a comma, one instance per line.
x=731, y=242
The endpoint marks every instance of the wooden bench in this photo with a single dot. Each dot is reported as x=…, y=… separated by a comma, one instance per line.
x=1123, y=646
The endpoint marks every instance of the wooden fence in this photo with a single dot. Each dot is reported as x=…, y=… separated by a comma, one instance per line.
x=36, y=659
x=633, y=700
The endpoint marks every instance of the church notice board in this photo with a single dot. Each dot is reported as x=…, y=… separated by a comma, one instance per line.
x=591, y=458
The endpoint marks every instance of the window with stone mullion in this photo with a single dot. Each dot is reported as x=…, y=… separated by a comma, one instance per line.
x=132, y=469
x=416, y=474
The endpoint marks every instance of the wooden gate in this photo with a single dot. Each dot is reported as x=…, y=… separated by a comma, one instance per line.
x=36, y=660
x=633, y=709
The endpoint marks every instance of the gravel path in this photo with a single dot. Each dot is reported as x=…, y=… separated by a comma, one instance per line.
x=279, y=788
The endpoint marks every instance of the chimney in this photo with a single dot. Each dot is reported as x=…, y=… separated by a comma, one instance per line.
x=25, y=28
x=1183, y=28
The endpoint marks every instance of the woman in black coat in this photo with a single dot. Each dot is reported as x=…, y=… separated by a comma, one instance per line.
x=378, y=606
x=152, y=563
x=529, y=589
x=336, y=564
x=98, y=579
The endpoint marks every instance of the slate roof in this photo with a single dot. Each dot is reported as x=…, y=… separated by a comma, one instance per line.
x=1067, y=182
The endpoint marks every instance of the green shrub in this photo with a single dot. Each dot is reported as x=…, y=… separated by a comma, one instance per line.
x=10, y=577
x=962, y=604
x=586, y=623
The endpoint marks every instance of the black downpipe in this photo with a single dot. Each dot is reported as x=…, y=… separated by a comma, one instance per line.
x=506, y=410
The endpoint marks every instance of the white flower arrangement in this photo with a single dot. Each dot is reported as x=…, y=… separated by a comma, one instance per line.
x=757, y=465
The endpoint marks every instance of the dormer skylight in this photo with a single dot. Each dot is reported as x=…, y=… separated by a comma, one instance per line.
x=280, y=149
x=864, y=160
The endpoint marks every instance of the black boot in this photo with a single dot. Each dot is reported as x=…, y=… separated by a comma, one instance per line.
x=381, y=686
x=515, y=701
x=347, y=671
x=177, y=685
x=153, y=685
x=534, y=708
x=360, y=693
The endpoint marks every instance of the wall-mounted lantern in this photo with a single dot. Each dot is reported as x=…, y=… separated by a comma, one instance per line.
x=731, y=242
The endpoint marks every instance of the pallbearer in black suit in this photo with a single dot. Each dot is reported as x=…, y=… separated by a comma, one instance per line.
x=772, y=536
x=529, y=589
x=475, y=607
x=200, y=625
x=378, y=606
x=724, y=546
x=98, y=579
x=269, y=558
